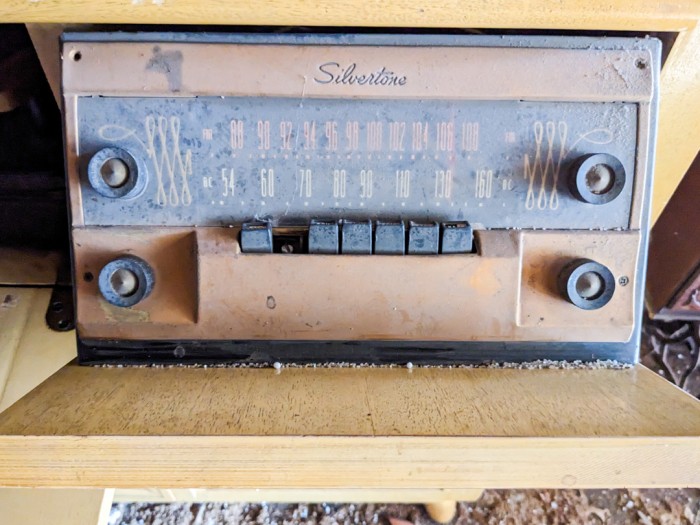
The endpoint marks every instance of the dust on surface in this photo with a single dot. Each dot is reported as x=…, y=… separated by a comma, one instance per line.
x=494, y=507
x=539, y=364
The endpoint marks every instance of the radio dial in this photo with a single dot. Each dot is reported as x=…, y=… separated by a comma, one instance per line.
x=586, y=284
x=126, y=280
x=115, y=173
x=597, y=179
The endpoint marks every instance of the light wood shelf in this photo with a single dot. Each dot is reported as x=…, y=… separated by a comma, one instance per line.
x=425, y=428
x=641, y=15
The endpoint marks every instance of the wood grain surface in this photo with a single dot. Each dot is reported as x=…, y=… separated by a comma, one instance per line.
x=288, y=495
x=83, y=401
x=579, y=14
x=388, y=428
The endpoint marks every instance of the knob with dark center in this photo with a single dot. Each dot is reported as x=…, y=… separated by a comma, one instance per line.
x=586, y=284
x=117, y=174
x=597, y=179
x=126, y=280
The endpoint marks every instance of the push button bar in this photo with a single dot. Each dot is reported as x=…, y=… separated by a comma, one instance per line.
x=361, y=238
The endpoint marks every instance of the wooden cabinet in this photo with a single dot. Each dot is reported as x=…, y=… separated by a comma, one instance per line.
x=400, y=431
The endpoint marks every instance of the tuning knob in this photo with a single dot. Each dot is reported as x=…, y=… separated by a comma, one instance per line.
x=126, y=281
x=587, y=284
x=115, y=173
x=597, y=179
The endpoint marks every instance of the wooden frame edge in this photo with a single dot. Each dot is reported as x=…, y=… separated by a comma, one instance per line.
x=314, y=462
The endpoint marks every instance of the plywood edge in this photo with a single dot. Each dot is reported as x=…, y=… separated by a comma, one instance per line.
x=318, y=462
x=595, y=14
x=679, y=113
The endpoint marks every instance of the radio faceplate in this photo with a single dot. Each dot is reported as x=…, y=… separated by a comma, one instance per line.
x=354, y=171
x=218, y=161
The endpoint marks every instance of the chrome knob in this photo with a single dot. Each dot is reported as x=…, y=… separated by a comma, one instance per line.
x=597, y=179
x=126, y=281
x=587, y=284
x=115, y=173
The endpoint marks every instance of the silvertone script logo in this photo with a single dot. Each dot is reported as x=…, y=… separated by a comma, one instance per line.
x=334, y=73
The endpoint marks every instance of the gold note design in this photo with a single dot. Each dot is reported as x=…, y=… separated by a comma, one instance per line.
x=163, y=148
x=172, y=168
x=542, y=171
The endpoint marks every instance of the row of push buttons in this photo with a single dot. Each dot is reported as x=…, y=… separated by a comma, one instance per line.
x=365, y=238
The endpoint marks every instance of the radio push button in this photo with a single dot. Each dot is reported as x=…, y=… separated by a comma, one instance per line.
x=457, y=237
x=256, y=237
x=357, y=238
x=423, y=238
x=323, y=237
x=389, y=238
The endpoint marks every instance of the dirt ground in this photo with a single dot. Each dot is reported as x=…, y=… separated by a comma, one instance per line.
x=671, y=349
x=494, y=507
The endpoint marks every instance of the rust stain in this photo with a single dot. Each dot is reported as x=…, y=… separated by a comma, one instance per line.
x=483, y=280
x=115, y=314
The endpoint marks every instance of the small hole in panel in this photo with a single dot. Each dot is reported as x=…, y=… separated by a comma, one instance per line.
x=88, y=277
x=641, y=63
x=75, y=55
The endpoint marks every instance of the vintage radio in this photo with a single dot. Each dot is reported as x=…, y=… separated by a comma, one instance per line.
x=383, y=198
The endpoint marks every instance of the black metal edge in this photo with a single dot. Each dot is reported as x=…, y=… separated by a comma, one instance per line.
x=375, y=352
x=345, y=36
